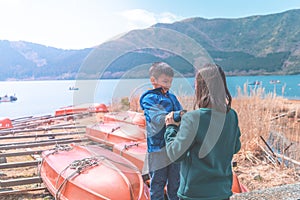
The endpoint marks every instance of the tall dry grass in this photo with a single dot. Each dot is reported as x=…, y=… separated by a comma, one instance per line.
x=261, y=114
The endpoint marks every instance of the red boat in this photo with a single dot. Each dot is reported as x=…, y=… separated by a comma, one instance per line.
x=5, y=123
x=91, y=172
x=111, y=133
x=70, y=110
x=130, y=117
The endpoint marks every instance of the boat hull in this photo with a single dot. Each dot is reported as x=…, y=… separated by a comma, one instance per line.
x=112, y=133
x=130, y=117
x=108, y=176
x=135, y=152
x=70, y=110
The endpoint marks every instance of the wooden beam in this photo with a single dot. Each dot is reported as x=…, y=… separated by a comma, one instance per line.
x=13, y=131
x=33, y=142
x=38, y=144
x=20, y=181
x=19, y=164
x=21, y=153
x=22, y=191
x=39, y=135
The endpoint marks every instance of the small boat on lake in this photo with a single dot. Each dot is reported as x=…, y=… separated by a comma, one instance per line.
x=274, y=81
x=255, y=83
x=91, y=172
x=7, y=98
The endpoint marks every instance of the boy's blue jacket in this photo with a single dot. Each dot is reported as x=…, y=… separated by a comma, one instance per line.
x=156, y=106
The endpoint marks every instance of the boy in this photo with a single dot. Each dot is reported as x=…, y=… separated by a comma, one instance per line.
x=157, y=103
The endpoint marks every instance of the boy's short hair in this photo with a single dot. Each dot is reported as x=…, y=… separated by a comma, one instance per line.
x=159, y=68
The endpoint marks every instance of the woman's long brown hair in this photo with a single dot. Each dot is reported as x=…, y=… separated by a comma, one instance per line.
x=211, y=89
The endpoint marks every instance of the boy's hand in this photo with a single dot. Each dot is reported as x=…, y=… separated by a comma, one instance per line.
x=170, y=120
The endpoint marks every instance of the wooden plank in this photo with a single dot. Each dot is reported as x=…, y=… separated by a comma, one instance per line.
x=7, y=131
x=19, y=164
x=21, y=191
x=20, y=153
x=39, y=135
x=32, y=142
x=37, y=144
x=20, y=181
x=22, y=118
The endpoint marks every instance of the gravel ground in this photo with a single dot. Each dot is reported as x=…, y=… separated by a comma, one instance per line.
x=286, y=192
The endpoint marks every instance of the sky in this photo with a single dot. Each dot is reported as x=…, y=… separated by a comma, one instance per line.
x=78, y=24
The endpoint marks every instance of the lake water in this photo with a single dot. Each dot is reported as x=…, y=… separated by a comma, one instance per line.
x=37, y=98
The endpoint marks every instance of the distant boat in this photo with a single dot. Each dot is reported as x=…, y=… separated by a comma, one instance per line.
x=73, y=88
x=275, y=81
x=255, y=83
x=7, y=98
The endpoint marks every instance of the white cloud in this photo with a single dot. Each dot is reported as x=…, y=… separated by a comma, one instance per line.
x=138, y=18
x=168, y=17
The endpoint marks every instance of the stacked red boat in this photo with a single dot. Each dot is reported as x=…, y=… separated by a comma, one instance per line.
x=91, y=172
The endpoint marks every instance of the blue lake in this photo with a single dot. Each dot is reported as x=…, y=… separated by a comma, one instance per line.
x=44, y=97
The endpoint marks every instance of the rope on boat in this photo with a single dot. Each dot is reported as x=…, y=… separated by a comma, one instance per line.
x=79, y=166
x=112, y=130
x=128, y=146
x=55, y=149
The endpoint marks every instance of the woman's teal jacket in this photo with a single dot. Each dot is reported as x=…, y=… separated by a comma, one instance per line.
x=204, y=144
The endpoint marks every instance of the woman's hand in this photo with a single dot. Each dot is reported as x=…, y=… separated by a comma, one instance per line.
x=170, y=120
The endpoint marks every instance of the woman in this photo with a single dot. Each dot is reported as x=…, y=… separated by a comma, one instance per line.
x=206, y=140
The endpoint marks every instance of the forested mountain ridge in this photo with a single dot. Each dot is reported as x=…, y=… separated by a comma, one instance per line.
x=265, y=43
x=254, y=45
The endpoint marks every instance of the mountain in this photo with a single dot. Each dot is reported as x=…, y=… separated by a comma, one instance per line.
x=266, y=44
x=255, y=45
x=28, y=61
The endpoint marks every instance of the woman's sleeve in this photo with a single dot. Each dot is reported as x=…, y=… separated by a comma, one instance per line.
x=179, y=140
x=237, y=135
x=238, y=141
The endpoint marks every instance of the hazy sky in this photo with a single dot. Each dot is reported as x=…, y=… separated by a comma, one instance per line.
x=77, y=24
